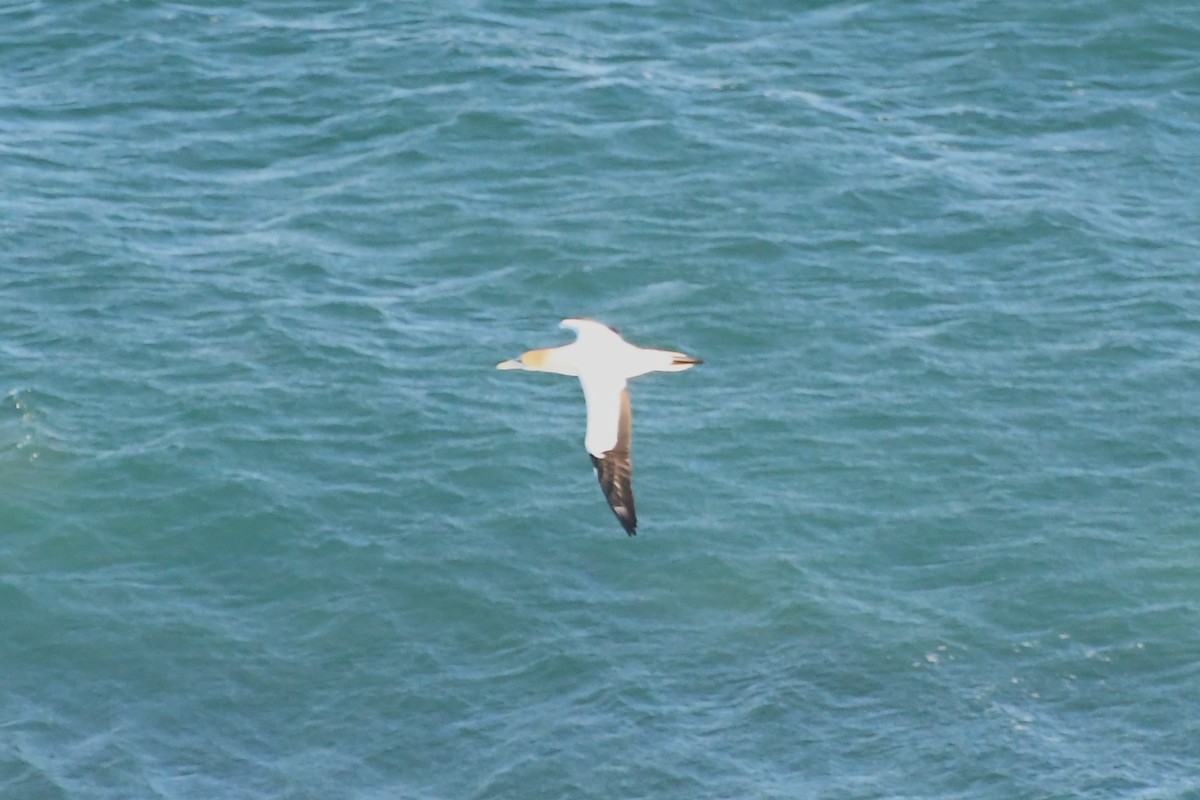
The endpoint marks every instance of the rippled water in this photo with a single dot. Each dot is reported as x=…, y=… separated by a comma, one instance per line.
x=924, y=524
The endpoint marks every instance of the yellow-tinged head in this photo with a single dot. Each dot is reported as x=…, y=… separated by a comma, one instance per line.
x=534, y=360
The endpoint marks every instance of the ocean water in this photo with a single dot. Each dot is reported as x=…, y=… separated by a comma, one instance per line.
x=926, y=523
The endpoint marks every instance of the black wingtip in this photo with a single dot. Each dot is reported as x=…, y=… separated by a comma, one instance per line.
x=621, y=502
x=626, y=516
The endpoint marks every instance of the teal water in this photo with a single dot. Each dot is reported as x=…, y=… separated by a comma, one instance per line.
x=924, y=525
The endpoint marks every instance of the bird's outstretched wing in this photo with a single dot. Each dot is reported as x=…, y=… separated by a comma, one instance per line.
x=613, y=465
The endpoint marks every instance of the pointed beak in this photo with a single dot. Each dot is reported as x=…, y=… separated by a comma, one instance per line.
x=512, y=363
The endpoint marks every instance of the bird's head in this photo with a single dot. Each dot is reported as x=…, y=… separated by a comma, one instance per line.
x=533, y=360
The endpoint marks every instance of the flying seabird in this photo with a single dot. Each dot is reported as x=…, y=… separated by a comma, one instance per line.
x=603, y=362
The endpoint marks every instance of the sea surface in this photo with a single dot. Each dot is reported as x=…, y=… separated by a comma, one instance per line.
x=925, y=524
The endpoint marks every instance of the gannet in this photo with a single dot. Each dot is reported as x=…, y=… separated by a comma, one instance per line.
x=604, y=362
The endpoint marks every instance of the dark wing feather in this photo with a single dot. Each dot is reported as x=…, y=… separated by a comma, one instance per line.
x=615, y=471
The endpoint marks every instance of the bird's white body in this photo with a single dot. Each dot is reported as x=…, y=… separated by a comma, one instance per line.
x=604, y=363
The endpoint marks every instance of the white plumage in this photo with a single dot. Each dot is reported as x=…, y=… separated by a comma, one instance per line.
x=604, y=363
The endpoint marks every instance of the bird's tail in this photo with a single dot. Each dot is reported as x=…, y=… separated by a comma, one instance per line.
x=677, y=362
